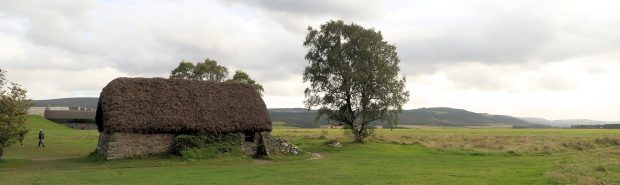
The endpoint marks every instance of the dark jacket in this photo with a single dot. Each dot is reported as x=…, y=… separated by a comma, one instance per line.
x=41, y=136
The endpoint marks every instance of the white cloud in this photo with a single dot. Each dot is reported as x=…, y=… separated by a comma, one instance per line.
x=554, y=59
x=555, y=90
x=55, y=83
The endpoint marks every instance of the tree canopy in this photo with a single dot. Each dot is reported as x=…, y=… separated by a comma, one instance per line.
x=13, y=109
x=242, y=77
x=185, y=70
x=353, y=76
x=209, y=70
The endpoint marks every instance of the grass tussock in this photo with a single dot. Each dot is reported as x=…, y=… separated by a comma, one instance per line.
x=608, y=141
x=95, y=156
x=510, y=141
x=509, y=144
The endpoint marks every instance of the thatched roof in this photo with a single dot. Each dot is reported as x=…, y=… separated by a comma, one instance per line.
x=157, y=105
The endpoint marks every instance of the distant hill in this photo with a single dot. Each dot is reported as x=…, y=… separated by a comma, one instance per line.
x=443, y=116
x=580, y=122
x=68, y=102
x=300, y=117
x=425, y=116
x=565, y=122
x=537, y=120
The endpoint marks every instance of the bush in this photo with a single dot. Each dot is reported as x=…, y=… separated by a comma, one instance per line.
x=95, y=156
x=185, y=142
x=206, y=146
x=211, y=152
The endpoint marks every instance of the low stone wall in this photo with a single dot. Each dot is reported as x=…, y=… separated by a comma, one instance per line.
x=271, y=145
x=126, y=145
x=282, y=146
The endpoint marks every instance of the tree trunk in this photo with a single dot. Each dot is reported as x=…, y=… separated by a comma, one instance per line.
x=359, y=138
x=358, y=134
x=1, y=152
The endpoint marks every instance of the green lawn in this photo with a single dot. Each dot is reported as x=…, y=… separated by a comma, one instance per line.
x=386, y=159
x=61, y=141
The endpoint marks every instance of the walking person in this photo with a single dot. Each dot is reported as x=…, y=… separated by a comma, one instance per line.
x=41, y=137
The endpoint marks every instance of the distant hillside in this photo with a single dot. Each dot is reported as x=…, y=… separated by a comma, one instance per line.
x=580, y=122
x=68, y=102
x=300, y=117
x=424, y=116
x=565, y=122
x=537, y=120
x=443, y=116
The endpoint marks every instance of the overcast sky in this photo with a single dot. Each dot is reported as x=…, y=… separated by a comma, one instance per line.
x=551, y=59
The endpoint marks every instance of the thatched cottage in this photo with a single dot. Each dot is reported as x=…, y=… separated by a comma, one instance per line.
x=141, y=116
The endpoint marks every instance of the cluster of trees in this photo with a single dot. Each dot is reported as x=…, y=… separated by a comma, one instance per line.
x=13, y=109
x=209, y=70
x=604, y=126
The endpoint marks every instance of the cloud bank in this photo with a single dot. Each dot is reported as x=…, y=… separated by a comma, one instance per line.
x=552, y=59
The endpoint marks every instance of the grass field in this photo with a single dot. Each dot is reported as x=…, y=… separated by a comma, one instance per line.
x=427, y=155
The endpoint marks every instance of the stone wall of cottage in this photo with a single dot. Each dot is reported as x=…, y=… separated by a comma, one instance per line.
x=260, y=138
x=126, y=145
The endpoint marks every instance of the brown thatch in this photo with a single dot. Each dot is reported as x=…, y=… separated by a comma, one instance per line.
x=157, y=105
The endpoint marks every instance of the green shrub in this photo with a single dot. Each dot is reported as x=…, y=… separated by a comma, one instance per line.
x=95, y=156
x=185, y=142
x=205, y=146
x=197, y=153
x=211, y=152
x=223, y=138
